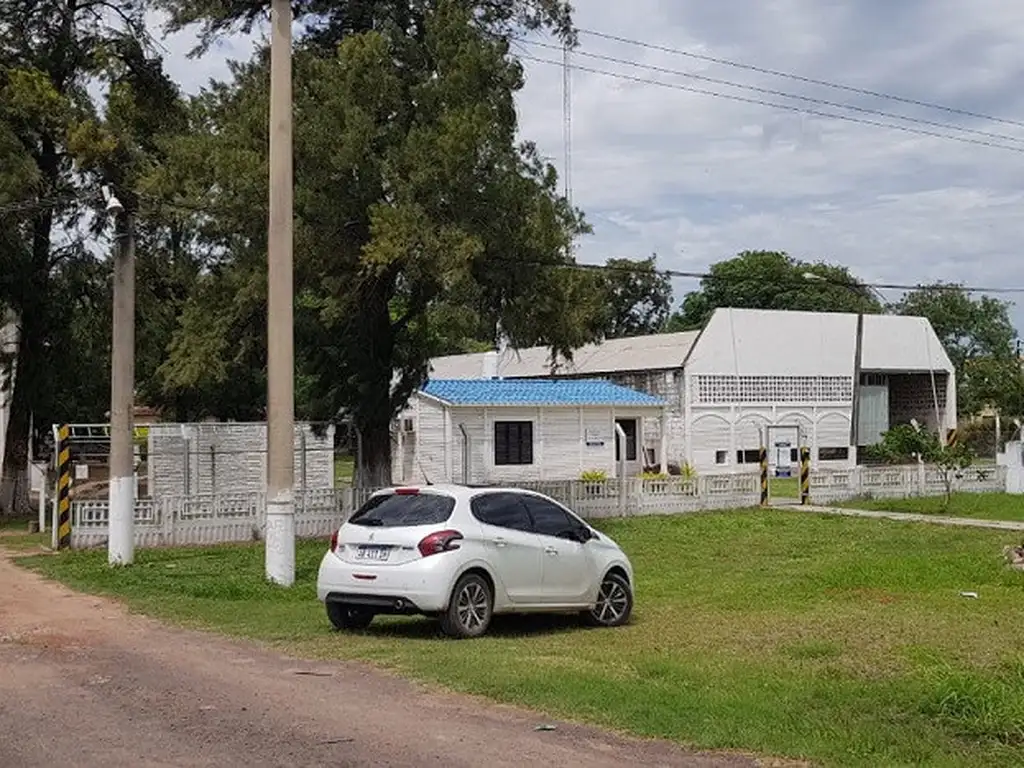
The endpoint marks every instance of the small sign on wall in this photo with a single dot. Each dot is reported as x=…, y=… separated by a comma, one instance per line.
x=782, y=458
x=81, y=471
x=594, y=438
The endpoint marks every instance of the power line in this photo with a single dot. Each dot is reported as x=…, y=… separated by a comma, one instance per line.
x=817, y=280
x=799, y=78
x=784, y=94
x=198, y=208
x=777, y=105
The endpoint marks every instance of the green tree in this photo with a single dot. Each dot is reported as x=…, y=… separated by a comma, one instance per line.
x=979, y=338
x=47, y=54
x=774, y=280
x=639, y=297
x=421, y=221
x=51, y=53
x=906, y=443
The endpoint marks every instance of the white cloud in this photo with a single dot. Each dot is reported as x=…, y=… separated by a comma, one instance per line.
x=696, y=178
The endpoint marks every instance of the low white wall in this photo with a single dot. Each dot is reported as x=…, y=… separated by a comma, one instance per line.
x=1013, y=460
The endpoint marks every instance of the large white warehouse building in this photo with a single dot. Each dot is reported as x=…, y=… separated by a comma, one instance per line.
x=830, y=381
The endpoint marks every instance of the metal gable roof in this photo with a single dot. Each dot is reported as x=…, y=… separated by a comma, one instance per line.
x=536, y=392
x=661, y=351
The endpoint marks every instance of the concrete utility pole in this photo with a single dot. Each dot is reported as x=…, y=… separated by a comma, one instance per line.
x=280, y=532
x=121, y=520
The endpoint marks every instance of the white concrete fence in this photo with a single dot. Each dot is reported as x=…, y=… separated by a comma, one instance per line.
x=213, y=519
x=237, y=517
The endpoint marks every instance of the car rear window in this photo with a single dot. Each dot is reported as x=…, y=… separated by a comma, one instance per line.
x=396, y=510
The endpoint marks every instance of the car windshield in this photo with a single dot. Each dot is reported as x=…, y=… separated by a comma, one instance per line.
x=395, y=510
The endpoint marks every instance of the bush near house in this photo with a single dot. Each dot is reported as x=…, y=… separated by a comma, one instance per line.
x=841, y=641
x=908, y=443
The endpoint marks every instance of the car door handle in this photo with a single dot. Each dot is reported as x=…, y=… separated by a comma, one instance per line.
x=551, y=550
x=500, y=542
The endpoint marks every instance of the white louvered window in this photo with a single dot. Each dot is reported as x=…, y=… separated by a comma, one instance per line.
x=772, y=389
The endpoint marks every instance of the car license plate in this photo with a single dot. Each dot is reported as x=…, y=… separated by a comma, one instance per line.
x=373, y=553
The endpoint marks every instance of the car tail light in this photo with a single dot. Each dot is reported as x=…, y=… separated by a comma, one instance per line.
x=334, y=541
x=407, y=491
x=442, y=541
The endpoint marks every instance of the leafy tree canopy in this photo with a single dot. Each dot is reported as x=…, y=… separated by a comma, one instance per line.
x=639, y=297
x=56, y=147
x=422, y=223
x=773, y=280
x=979, y=338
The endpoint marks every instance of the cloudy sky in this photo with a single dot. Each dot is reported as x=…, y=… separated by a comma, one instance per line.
x=695, y=177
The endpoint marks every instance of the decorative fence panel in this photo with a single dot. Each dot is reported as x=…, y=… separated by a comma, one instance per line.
x=213, y=518
x=902, y=482
x=218, y=518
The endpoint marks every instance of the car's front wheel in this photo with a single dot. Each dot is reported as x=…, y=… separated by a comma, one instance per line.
x=614, y=602
x=348, y=617
x=469, y=610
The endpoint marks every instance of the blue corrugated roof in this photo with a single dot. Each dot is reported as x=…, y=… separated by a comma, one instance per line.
x=536, y=392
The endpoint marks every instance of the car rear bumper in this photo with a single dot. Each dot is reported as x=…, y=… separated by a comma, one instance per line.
x=421, y=586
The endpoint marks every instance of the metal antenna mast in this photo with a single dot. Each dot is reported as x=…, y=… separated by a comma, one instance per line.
x=567, y=117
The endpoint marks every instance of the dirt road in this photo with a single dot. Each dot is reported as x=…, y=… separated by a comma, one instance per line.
x=83, y=683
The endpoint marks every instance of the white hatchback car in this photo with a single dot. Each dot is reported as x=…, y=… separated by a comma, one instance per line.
x=463, y=554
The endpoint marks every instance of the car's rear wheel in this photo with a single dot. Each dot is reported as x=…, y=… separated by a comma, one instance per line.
x=469, y=610
x=614, y=602
x=348, y=617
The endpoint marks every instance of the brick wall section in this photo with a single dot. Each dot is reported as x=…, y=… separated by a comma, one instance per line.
x=910, y=397
x=230, y=458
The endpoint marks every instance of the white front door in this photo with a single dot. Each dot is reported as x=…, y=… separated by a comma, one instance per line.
x=634, y=458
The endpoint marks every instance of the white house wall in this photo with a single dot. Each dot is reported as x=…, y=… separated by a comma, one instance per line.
x=667, y=385
x=560, y=449
x=429, y=440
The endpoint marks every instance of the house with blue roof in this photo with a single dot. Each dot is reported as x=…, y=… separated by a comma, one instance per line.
x=831, y=381
x=512, y=430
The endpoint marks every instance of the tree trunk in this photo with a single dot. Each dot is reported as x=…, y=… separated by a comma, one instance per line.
x=14, y=478
x=376, y=456
x=374, y=409
x=31, y=306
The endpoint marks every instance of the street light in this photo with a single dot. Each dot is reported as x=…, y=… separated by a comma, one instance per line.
x=121, y=508
x=114, y=207
x=816, y=278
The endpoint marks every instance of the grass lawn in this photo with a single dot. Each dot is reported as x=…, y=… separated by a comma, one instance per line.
x=14, y=535
x=344, y=469
x=783, y=489
x=983, y=506
x=845, y=641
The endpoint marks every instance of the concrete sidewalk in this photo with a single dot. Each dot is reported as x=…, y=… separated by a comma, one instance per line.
x=966, y=522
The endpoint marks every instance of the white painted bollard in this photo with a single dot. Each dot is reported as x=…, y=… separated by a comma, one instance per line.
x=42, y=506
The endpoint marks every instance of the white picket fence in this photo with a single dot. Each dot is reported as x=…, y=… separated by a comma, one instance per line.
x=222, y=518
